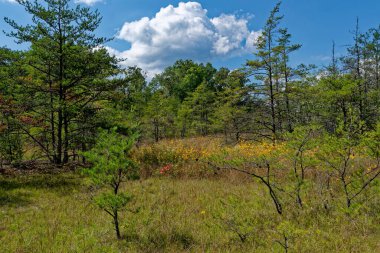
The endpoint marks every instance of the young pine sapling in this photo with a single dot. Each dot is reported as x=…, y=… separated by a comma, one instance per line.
x=111, y=166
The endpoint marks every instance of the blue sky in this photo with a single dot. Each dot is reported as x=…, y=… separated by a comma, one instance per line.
x=153, y=38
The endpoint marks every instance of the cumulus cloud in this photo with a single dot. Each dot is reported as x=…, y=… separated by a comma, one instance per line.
x=8, y=1
x=87, y=2
x=183, y=32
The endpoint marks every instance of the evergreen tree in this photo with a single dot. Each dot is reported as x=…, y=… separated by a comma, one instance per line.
x=263, y=68
x=67, y=71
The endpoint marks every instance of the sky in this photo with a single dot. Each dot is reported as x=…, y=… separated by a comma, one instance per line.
x=153, y=34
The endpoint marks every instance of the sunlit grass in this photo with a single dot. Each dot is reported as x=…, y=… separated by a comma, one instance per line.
x=54, y=213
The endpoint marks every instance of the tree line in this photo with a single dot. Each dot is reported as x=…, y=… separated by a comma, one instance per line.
x=57, y=94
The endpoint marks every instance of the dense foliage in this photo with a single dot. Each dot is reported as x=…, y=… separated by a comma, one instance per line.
x=56, y=94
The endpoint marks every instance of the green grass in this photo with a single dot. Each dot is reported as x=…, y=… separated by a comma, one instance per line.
x=54, y=213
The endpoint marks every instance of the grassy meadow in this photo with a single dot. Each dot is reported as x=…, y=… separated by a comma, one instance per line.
x=195, y=131
x=187, y=207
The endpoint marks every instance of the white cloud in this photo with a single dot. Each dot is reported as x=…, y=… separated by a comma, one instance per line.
x=9, y=1
x=183, y=32
x=87, y=2
x=230, y=33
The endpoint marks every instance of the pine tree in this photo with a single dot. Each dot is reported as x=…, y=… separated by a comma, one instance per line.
x=263, y=68
x=67, y=71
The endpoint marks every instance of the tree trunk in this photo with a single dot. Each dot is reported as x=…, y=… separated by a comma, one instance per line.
x=272, y=106
x=61, y=93
x=156, y=131
x=59, y=137
x=116, y=223
x=66, y=140
x=271, y=91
